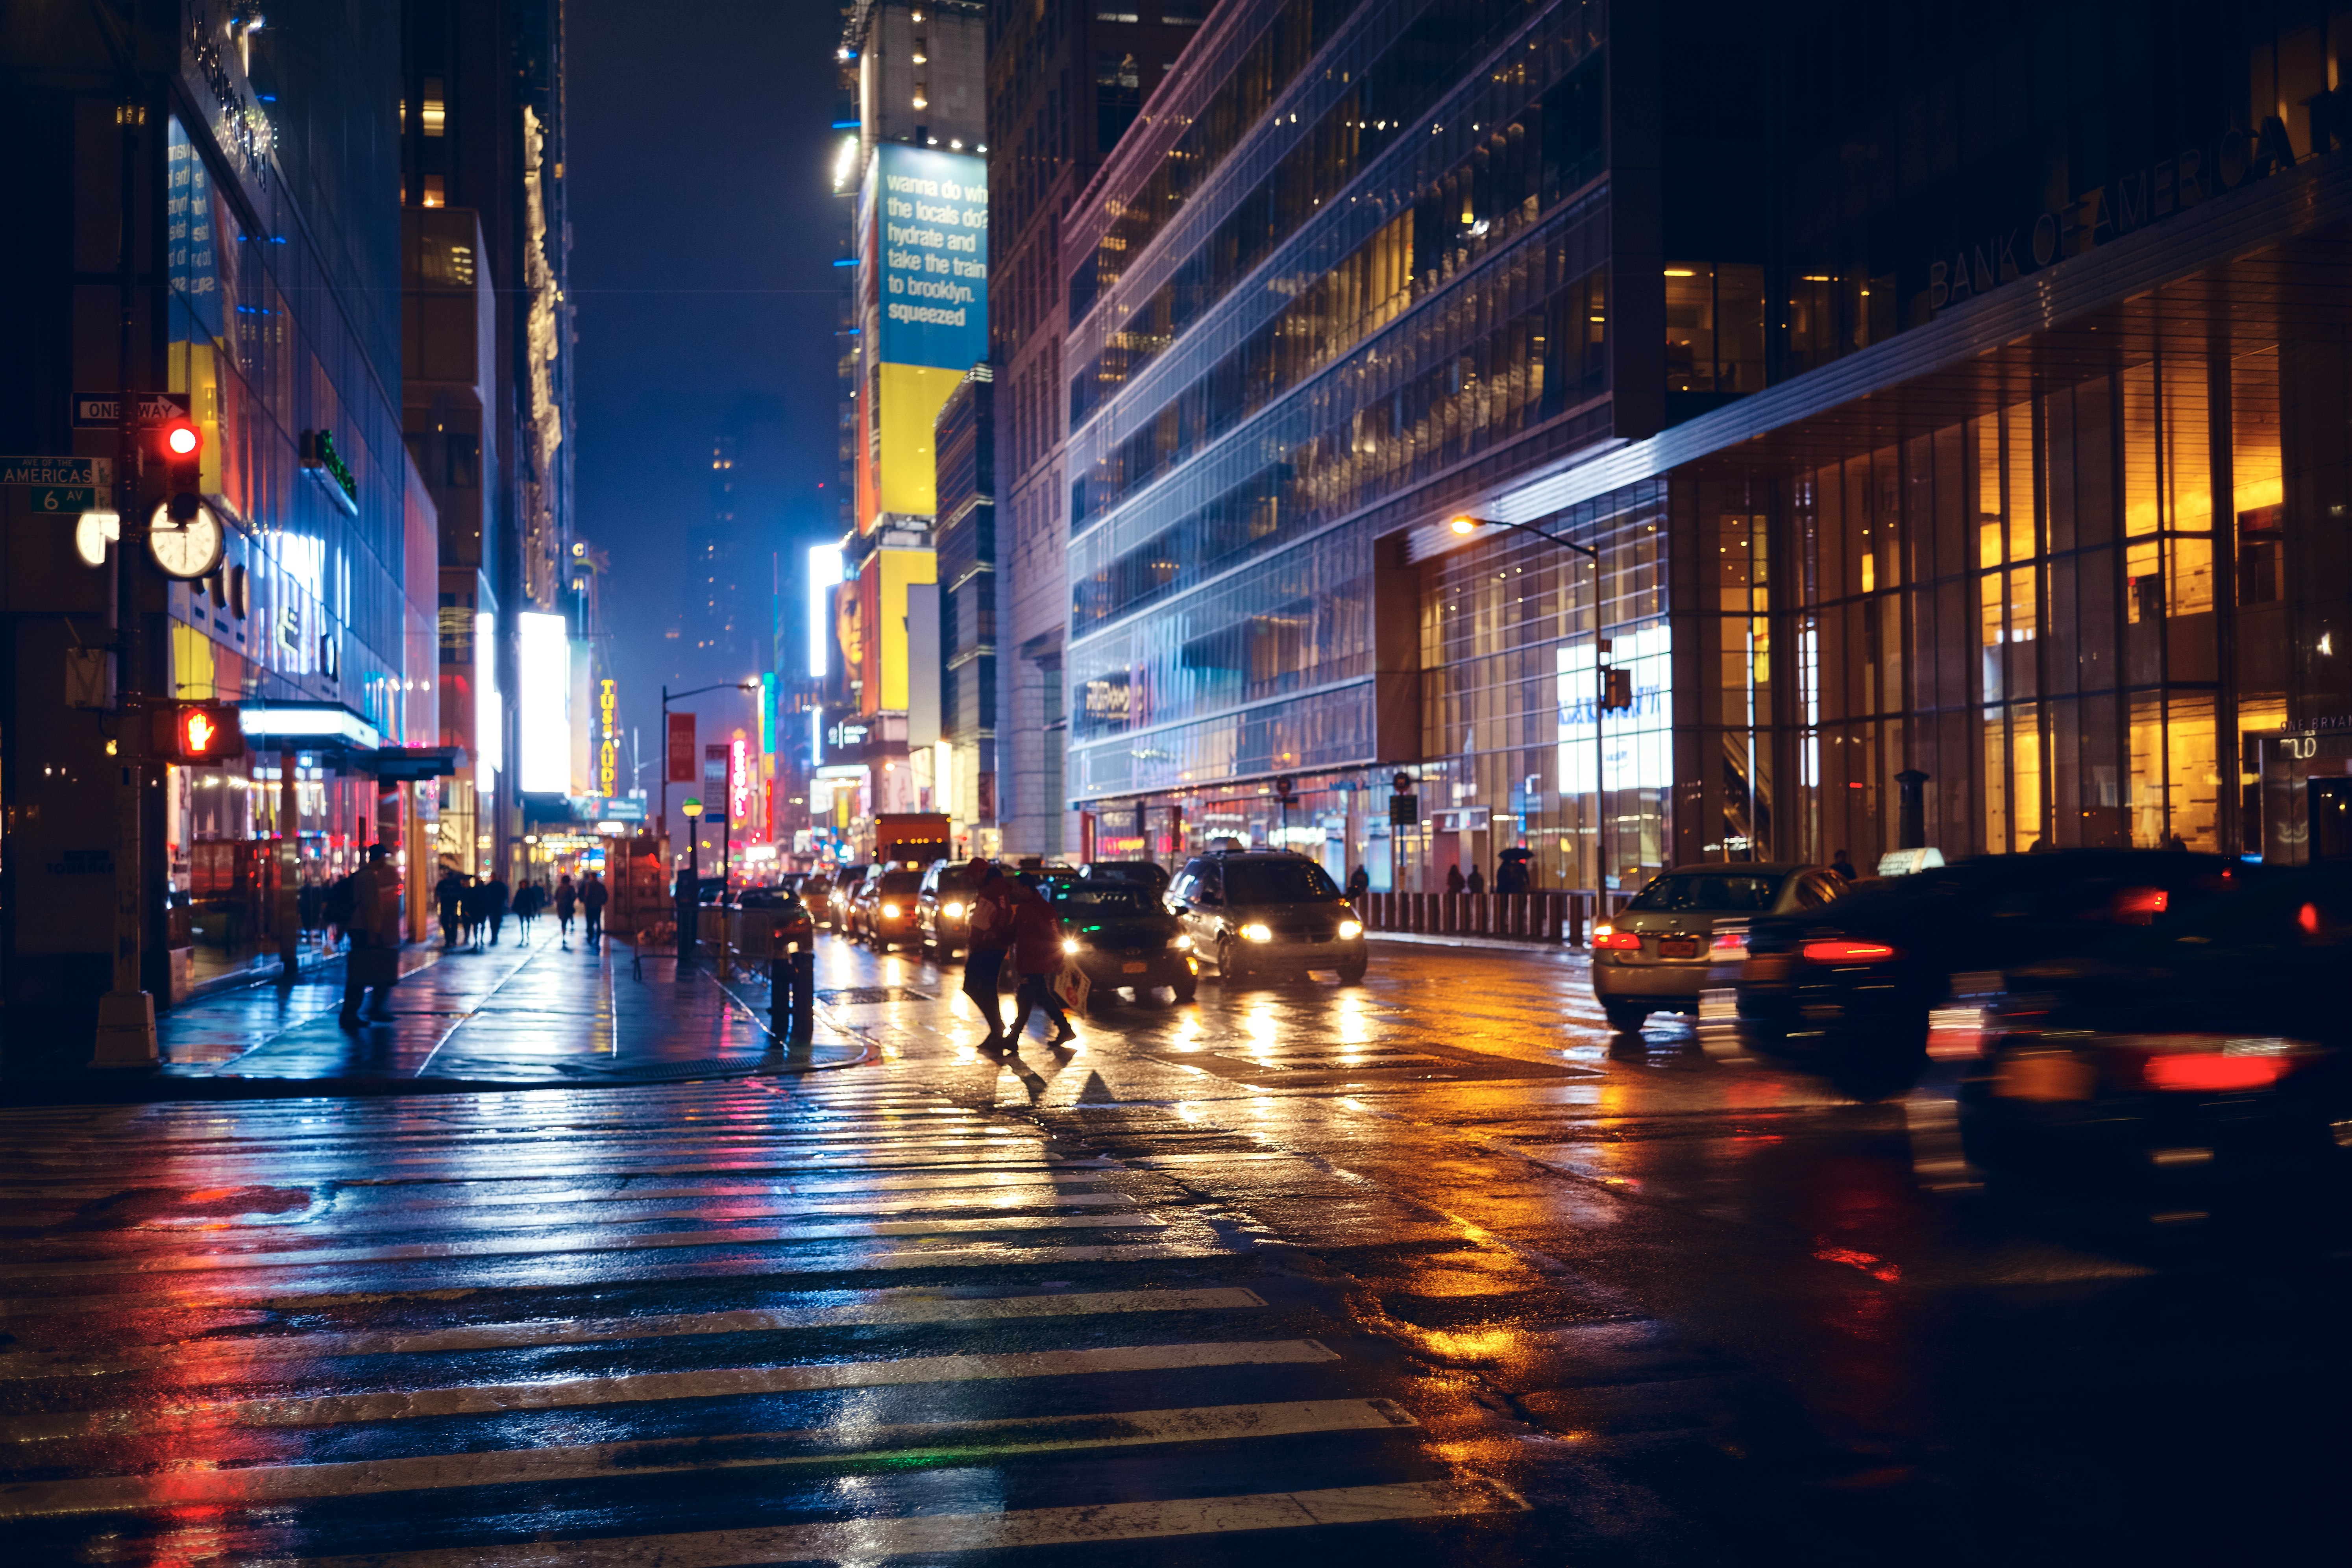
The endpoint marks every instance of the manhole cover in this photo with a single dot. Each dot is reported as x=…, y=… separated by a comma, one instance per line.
x=866, y=996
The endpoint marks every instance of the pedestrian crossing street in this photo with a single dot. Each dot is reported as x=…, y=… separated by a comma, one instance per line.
x=838, y=1318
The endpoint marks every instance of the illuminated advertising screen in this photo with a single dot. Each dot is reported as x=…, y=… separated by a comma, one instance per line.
x=544, y=713
x=923, y=245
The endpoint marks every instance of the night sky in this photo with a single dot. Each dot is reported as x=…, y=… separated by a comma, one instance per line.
x=703, y=233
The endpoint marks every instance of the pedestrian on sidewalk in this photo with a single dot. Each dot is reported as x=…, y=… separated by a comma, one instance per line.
x=593, y=897
x=1477, y=882
x=990, y=926
x=494, y=905
x=567, y=898
x=338, y=912
x=1454, y=882
x=1037, y=949
x=374, y=961
x=528, y=899
x=1360, y=882
x=450, y=893
x=478, y=912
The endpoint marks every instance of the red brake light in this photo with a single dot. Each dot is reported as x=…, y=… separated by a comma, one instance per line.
x=2139, y=906
x=1847, y=952
x=1606, y=939
x=2205, y=1072
x=1731, y=944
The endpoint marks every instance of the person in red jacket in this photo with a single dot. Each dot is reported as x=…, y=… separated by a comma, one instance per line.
x=991, y=935
x=1037, y=949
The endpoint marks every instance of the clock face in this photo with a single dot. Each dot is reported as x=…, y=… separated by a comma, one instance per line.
x=186, y=551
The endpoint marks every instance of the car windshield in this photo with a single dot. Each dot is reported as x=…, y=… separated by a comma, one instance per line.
x=901, y=881
x=1735, y=890
x=1110, y=899
x=1277, y=882
x=956, y=881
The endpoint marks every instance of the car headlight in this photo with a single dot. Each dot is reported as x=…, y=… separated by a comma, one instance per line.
x=1258, y=932
x=889, y=911
x=951, y=910
x=1069, y=944
x=1350, y=929
x=1179, y=942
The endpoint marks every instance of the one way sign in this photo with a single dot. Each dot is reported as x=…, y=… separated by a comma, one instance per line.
x=96, y=409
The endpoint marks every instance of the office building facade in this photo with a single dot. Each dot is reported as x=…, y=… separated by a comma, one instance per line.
x=1948, y=444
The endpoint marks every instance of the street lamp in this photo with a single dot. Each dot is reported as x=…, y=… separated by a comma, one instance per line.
x=1464, y=524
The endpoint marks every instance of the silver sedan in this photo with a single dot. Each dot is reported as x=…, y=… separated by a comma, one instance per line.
x=1688, y=931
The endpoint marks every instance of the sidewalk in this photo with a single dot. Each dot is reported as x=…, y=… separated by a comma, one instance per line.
x=506, y=1017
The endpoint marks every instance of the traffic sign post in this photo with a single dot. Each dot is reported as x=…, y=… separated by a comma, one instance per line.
x=103, y=410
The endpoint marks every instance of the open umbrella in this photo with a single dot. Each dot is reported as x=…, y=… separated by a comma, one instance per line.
x=1515, y=853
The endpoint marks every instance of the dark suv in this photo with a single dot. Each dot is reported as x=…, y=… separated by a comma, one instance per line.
x=1267, y=910
x=943, y=908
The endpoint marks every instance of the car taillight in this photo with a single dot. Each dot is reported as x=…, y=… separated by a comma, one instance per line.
x=2208, y=1063
x=1731, y=944
x=2139, y=906
x=1608, y=938
x=1847, y=952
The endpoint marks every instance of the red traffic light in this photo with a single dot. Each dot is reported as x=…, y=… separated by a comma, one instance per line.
x=199, y=733
x=183, y=439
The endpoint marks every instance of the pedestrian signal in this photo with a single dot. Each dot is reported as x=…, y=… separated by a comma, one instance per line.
x=1616, y=690
x=199, y=733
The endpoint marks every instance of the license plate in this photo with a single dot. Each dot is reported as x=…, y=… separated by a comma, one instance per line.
x=1677, y=947
x=1133, y=968
x=2049, y=1077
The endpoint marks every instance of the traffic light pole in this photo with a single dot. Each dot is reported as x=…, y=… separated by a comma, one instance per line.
x=126, y=1014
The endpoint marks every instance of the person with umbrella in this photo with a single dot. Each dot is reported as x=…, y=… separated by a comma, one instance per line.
x=1511, y=872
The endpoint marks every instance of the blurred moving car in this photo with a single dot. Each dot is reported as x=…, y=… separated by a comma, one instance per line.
x=943, y=908
x=1148, y=875
x=1122, y=937
x=1687, y=932
x=817, y=893
x=2209, y=1051
x=1266, y=910
x=886, y=913
x=1847, y=989
x=845, y=883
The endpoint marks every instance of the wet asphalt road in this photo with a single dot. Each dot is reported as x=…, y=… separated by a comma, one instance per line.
x=1428, y=1269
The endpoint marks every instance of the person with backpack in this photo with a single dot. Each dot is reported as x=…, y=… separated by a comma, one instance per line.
x=1037, y=949
x=992, y=937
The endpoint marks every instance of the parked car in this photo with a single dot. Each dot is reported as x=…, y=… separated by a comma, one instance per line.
x=1259, y=911
x=1846, y=989
x=2206, y=1053
x=1122, y=937
x=943, y=908
x=1148, y=875
x=1687, y=932
x=886, y=914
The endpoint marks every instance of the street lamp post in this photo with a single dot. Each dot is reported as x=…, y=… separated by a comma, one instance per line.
x=1465, y=524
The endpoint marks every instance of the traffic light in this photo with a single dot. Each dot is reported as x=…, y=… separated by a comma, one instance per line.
x=1616, y=690
x=197, y=732
x=180, y=445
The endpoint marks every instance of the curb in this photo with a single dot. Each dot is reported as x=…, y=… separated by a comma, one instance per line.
x=1486, y=943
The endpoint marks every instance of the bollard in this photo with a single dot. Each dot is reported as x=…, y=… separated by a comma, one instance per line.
x=791, y=993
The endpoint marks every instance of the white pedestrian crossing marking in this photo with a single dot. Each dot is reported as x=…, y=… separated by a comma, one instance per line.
x=862, y=1539
x=475, y=1399
x=937, y=1441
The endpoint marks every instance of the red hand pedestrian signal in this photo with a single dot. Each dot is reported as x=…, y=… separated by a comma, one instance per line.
x=199, y=733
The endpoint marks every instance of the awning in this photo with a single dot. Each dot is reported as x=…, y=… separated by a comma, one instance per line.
x=416, y=761
x=307, y=727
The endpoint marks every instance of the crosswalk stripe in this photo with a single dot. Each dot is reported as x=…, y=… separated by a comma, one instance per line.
x=945, y=1442
x=717, y=1383
x=881, y=1309
x=865, y=1538
x=560, y=1215
x=184, y=1297
x=443, y=1251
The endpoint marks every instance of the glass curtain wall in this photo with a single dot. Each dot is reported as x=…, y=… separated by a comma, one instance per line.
x=1520, y=640
x=2029, y=607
